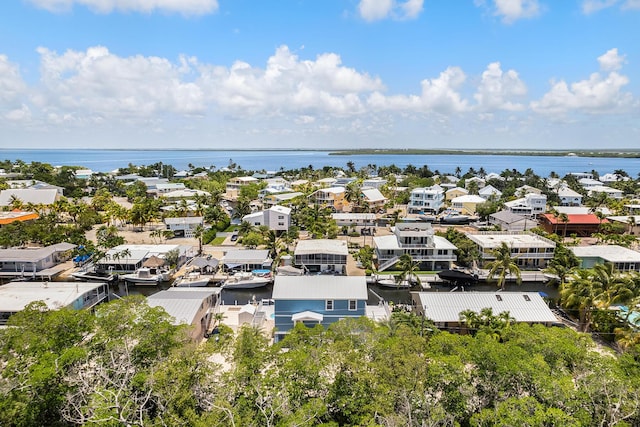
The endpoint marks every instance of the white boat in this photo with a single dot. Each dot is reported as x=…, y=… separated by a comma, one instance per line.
x=192, y=280
x=246, y=281
x=390, y=282
x=146, y=276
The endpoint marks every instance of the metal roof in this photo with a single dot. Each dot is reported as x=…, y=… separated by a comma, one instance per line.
x=611, y=253
x=33, y=254
x=320, y=287
x=321, y=246
x=15, y=296
x=246, y=256
x=490, y=240
x=447, y=306
x=182, y=305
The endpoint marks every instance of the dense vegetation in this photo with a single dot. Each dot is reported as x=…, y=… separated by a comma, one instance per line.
x=128, y=365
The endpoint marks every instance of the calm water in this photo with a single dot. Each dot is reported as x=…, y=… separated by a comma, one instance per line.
x=108, y=160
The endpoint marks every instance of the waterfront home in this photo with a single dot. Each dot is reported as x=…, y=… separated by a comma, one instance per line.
x=454, y=192
x=588, y=183
x=489, y=192
x=189, y=306
x=374, y=182
x=426, y=199
x=234, y=184
x=246, y=260
x=322, y=255
x=608, y=178
x=622, y=258
x=129, y=258
x=16, y=215
x=581, y=175
x=466, y=205
x=373, y=199
x=509, y=221
x=184, y=226
x=355, y=221
x=418, y=240
x=34, y=184
x=530, y=251
x=444, y=308
x=35, y=261
x=161, y=189
x=480, y=181
x=526, y=189
x=29, y=196
x=569, y=197
x=15, y=296
x=612, y=193
x=332, y=197
x=277, y=218
x=531, y=205
x=313, y=300
x=83, y=174
x=582, y=225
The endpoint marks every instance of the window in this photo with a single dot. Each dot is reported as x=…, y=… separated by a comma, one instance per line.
x=353, y=305
x=328, y=306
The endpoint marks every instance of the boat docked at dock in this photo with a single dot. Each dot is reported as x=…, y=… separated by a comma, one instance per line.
x=147, y=276
x=95, y=276
x=247, y=280
x=192, y=280
x=390, y=281
x=459, y=275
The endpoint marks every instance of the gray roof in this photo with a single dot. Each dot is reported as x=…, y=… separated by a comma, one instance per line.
x=522, y=306
x=491, y=240
x=246, y=256
x=15, y=296
x=184, y=220
x=508, y=217
x=182, y=305
x=45, y=196
x=33, y=254
x=320, y=287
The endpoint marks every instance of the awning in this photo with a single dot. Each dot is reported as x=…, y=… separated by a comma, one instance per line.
x=307, y=315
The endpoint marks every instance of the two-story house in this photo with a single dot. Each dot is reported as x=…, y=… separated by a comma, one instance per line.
x=530, y=251
x=277, y=218
x=322, y=255
x=426, y=199
x=313, y=300
x=332, y=197
x=530, y=205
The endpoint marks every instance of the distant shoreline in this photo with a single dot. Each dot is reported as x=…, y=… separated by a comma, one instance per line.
x=629, y=154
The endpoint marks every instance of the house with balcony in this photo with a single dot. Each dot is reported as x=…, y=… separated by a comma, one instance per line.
x=530, y=251
x=232, y=190
x=612, y=193
x=332, y=197
x=530, y=205
x=418, y=240
x=454, y=192
x=569, y=197
x=322, y=255
x=582, y=225
x=184, y=226
x=277, y=218
x=316, y=300
x=426, y=199
x=623, y=259
x=271, y=200
x=35, y=262
x=466, y=205
x=373, y=199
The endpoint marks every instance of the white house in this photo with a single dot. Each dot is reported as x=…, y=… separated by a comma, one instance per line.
x=426, y=199
x=489, y=192
x=277, y=218
x=531, y=205
x=613, y=193
x=184, y=226
x=322, y=255
x=622, y=258
x=29, y=196
x=569, y=197
x=530, y=251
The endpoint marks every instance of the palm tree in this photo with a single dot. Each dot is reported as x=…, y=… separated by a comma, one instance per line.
x=408, y=268
x=564, y=218
x=579, y=293
x=198, y=233
x=503, y=266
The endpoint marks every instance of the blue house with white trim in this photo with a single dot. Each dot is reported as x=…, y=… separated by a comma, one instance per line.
x=314, y=300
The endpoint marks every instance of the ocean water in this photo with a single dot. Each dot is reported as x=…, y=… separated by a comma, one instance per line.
x=109, y=160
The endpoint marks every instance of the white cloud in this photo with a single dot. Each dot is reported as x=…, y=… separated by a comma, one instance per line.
x=12, y=87
x=593, y=6
x=611, y=61
x=376, y=10
x=596, y=95
x=513, y=10
x=186, y=7
x=19, y=114
x=497, y=89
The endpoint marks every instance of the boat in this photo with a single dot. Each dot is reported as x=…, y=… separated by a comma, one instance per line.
x=459, y=275
x=192, y=280
x=455, y=218
x=245, y=280
x=392, y=283
x=146, y=276
x=95, y=276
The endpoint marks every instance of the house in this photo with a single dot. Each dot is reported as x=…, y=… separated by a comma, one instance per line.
x=374, y=182
x=426, y=199
x=83, y=174
x=582, y=225
x=508, y=221
x=7, y=218
x=185, y=193
x=313, y=300
x=581, y=175
x=455, y=192
x=444, y=308
x=622, y=258
x=479, y=181
x=271, y=200
x=246, y=260
x=355, y=221
x=612, y=193
x=569, y=197
x=26, y=196
x=373, y=198
x=189, y=306
x=274, y=186
x=489, y=192
x=34, y=184
x=36, y=262
x=129, y=258
x=467, y=205
x=15, y=296
x=608, y=178
x=332, y=197
x=630, y=222
x=234, y=184
x=326, y=182
x=418, y=240
x=160, y=189
x=322, y=255
x=530, y=251
x=184, y=226
x=526, y=189
x=277, y=218
x=530, y=205
x=588, y=183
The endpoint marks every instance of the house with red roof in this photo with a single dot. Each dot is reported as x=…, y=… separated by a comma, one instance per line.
x=582, y=225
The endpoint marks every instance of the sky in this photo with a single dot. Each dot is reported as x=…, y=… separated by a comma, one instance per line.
x=320, y=74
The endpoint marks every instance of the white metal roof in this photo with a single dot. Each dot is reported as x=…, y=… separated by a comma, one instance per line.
x=246, y=256
x=45, y=196
x=321, y=246
x=513, y=240
x=611, y=253
x=320, y=287
x=15, y=296
x=522, y=306
x=33, y=254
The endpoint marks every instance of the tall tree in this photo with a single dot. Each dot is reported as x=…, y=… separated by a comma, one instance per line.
x=503, y=266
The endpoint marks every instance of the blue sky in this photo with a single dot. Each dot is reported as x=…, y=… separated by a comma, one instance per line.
x=320, y=74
